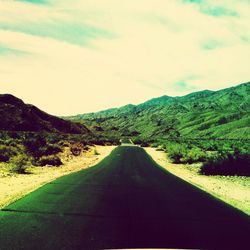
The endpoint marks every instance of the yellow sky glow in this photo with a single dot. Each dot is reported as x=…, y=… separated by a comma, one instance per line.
x=71, y=57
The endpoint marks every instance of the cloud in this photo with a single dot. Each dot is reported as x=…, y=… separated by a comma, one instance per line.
x=79, y=56
x=49, y=22
x=213, y=8
x=223, y=5
x=5, y=51
x=35, y=1
x=64, y=31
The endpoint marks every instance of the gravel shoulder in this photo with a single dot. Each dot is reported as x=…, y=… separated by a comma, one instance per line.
x=234, y=190
x=15, y=186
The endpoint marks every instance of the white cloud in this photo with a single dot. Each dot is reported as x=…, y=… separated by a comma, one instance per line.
x=154, y=45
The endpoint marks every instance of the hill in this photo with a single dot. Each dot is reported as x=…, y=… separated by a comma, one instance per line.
x=15, y=115
x=204, y=114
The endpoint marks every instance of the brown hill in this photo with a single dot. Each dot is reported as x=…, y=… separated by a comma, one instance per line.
x=15, y=115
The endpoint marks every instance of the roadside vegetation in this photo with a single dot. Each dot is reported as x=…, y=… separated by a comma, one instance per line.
x=21, y=150
x=218, y=157
x=233, y=190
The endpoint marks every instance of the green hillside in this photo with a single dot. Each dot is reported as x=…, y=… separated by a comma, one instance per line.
x=205, y=114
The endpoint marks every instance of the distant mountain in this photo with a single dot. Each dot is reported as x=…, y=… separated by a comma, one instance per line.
x=204, y=114
x=15, y=115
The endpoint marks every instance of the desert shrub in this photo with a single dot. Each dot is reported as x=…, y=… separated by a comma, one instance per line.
x=212, y=146
x=10, y=142
x=176, y=152
x=63, y=144
x=34, y=145
x=37, y=146
x=52, y=137
x=114, y=128
x=242, y=149
x=98, y=128
x=204, y=126
x=6, y=152
x=19, y=164
x=96, y=152
x=134, y=133
x=193, y=155
x=98, y=142
x=51, y=149
x=14, y=135
x=86, y=148
x=225, y=163
x=159, y=149
x=51, y=160
x=227, y=146
x=76, y=149
x=137, y=141
x=184, y=153
x=145, y=144
x=191, y=151
x=154, y=145
x=222, y=120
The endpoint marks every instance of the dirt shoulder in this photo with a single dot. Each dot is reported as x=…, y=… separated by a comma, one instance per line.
x=15, y=186
x=233, y=190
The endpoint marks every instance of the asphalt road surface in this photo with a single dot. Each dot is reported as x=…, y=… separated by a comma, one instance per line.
x=126, y=201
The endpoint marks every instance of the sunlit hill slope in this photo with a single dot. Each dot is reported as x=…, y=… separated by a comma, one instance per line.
x=204, y=114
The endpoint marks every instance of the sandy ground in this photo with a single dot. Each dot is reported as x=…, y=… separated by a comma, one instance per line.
x=13, y=187
x=233, y=190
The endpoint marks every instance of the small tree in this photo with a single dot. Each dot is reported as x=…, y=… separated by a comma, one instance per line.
x=19, y=164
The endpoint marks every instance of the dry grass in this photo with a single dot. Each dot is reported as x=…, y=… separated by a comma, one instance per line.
x=15, y=186
x=234, y=190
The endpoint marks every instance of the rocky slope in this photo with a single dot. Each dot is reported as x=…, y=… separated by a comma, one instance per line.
x=15, y=115
x=205, y=114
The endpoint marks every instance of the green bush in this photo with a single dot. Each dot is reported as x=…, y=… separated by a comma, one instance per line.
x=176, y=152
x=193, y=155
x=10, y=142
x=236, y=163
x=6, y=152
x=159, y=149
x=51, y=160
x=220, y=157
x=185, y=153
x=19, y=164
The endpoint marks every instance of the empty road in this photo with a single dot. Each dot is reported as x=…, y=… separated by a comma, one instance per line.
x=126, y=201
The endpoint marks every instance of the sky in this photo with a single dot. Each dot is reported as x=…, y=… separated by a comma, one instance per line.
x=76, y=56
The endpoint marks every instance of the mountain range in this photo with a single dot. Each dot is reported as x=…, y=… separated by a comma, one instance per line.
x=15, y=115
x=210, y=114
